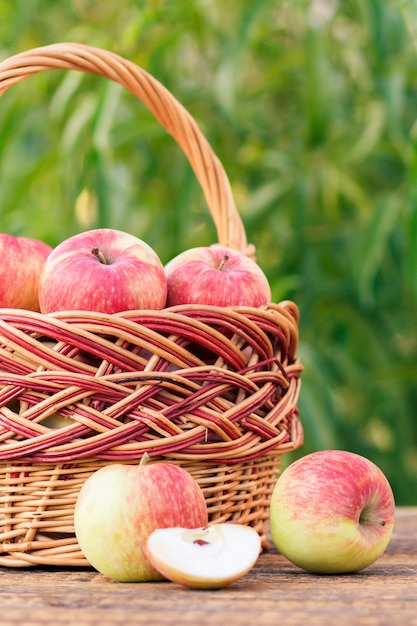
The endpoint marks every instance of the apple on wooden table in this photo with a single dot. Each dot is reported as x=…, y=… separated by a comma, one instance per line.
x=216, y=275
x=104, y=270
x=332, y=512
x=22, y=260
x=120, y=505
x=204, y=558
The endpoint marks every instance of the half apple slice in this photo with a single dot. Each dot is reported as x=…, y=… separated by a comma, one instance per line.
x=204, y=558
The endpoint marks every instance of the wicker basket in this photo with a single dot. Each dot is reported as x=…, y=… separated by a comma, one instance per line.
x=214, y=390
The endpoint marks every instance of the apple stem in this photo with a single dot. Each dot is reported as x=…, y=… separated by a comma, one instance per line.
x=366, y=520
x=99, y=255
x=145, y=458
x=223, y=262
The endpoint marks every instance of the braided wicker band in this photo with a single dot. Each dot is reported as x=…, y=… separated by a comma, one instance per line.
x=214, y=390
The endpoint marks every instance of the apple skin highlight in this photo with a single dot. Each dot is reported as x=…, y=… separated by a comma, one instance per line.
x=332, y=512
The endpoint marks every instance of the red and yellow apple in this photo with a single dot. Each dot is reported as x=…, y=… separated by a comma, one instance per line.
x=22, y=260
x=103, y=270
x=332, y=512
x=216, y=275
x=119, y=506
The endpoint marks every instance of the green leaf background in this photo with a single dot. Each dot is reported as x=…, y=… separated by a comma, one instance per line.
x=312, y=108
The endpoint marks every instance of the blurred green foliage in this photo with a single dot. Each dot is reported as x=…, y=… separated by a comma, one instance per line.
x=311, y=106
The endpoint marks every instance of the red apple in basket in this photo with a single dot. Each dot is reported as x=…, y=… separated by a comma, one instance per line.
x=22, y=260
x=216, y=275
x=104, y=270
x=332, y=512
x=119, y=506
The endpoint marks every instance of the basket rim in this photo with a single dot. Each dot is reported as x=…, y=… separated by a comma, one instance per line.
x=51, y=380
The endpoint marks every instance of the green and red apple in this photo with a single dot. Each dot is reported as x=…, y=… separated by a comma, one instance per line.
x=120, y=505
x=332, y=512
x=104, y=270
x=216, y=275
x=22, y=261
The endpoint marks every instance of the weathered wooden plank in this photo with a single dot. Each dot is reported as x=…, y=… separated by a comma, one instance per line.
x=273, y=592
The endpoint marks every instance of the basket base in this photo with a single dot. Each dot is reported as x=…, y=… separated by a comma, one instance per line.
x=37, y=505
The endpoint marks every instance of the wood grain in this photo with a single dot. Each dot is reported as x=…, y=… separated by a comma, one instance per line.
x=274, y=592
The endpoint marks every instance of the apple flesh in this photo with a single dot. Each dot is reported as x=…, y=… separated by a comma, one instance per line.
x=119, y=506
x=22, y=260
x=104, y=270
x=216, y=275
x=332, y=512
x=205, y=558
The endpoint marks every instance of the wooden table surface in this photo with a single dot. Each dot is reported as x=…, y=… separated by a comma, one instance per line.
x=274, y=592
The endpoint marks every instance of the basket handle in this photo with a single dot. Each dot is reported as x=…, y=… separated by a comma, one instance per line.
x=161, y=103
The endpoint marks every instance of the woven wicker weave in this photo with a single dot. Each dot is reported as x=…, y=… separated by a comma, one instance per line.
x=214, y=390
